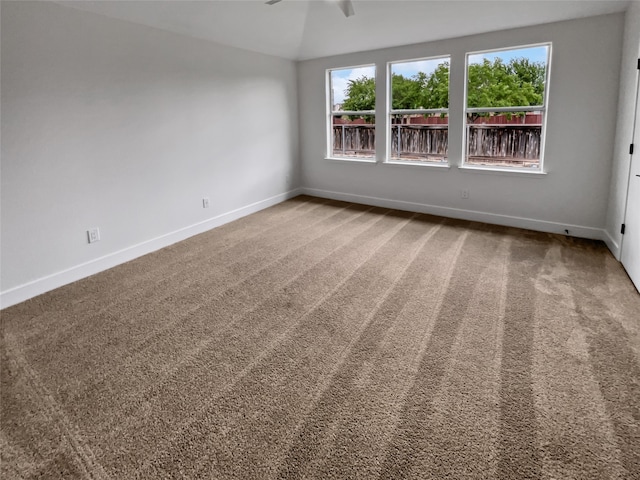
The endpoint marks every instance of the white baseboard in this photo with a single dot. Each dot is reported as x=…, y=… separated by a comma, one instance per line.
x=472, y=215
x=612, y=244
x=41, y=285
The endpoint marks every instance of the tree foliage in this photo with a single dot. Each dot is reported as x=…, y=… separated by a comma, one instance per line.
x=360, y=94
x=437, y=87
x=496, y=84
x=490, y=84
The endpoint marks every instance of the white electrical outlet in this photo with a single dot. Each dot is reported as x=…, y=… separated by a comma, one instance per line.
x=93, y=235
x=465, y=193
x=205, y=202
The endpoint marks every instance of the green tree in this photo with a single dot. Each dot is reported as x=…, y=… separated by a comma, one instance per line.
x=490, y=84
x=406, y=92
x=494, y=84
x=532, y=73
x=435, y=87
x=421, y=91
x=360, y=94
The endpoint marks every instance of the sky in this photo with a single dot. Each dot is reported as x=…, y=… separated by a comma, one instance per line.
x=340, y=78
x=534, y=54
x=409, y=69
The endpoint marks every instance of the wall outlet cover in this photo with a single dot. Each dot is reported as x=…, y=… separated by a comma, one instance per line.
x=93, y=235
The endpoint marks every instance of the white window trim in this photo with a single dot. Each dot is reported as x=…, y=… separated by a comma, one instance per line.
x=544, y=108
x=330, y=113
x=418, y=111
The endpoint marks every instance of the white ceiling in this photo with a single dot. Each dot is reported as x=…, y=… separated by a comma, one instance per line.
x=304, y=29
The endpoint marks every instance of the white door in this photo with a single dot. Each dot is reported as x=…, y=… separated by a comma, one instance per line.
x=631, y=242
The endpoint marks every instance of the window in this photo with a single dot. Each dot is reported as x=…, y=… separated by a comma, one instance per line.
x=419, y=111
x=351, y=120
x=506, y=104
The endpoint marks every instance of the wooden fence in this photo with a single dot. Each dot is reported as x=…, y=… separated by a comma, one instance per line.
x=419, y=141
x=505, y=141
x=516, y=142
x=354, y=139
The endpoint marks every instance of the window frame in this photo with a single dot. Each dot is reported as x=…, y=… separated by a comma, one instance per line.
x=330, y=114
x=544, y=108
x=417, y=111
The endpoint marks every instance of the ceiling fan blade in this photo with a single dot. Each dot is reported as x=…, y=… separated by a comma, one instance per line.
x=347, y=7
x=271, y=2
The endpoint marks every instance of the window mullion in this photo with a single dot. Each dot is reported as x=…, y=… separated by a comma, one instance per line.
x=539, y=108
x=426, y=111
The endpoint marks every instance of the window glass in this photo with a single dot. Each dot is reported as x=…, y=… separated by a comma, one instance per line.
x=419, y=110
x=506, y=107
x=352, y=103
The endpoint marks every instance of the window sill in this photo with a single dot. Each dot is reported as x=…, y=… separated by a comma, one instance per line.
x=444, y=166
x=354, y=160
x=503, y=171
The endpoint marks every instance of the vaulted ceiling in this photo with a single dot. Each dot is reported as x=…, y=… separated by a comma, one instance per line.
x=305, y=29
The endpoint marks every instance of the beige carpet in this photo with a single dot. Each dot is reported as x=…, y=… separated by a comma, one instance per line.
x=319, y=339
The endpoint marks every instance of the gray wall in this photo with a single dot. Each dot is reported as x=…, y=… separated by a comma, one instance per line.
x=579, y=143
x=123, y=127
x=624, y=131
